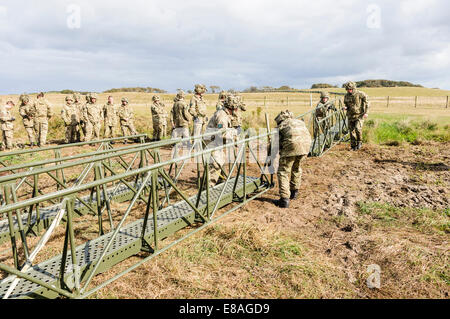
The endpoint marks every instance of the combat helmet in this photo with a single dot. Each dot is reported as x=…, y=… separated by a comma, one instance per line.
x=88, y=98
x=283, y=116
x=350, y=85
x=24, y=98
x=124, y=99
x=324, y=94
x=231, y=102
x=76, y=97
x=200, y=88
x=94, y=96
x=180, y=96
x=223, y=95
x=69, y=97
x=155, y=98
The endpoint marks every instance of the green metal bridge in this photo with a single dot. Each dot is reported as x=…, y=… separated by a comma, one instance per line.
x=117, y=202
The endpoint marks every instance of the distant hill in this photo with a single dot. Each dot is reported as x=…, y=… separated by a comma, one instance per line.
x=322, y=86
x=385, y=84
x=137, y=89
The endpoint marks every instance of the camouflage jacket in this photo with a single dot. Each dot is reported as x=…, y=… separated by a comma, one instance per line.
x=80, y=107
x=158, y=112
x=27, y=115
x=179, y=115
x=220, y=120
x=42, y=110
x=110, y=114
x=6, y=118
x=92, y=113
x=126, y=114
x=323, y=109
x=197, y=107
x=357, y=104
x=70, y=114
x=294, y=138
x=236, y=117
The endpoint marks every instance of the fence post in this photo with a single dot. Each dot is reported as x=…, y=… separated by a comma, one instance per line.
x=446, y=105
x=388, y=100
x=311, y=104
x=265, y=98
x=415, y=105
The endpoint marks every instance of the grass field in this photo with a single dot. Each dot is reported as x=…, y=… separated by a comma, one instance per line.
x=430, y=109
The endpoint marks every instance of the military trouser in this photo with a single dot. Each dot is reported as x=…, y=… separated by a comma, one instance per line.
x=182, y=132
x=355, y=127
x=41, y=129
x=92, y=129
x=128, y=129
x=109, y=131
x=71, y=133
x=8, y=136
x=157, y=131
x=289, y=175
x=199, y=122
x=31, y=134
x=216, y=161
x=83, y=128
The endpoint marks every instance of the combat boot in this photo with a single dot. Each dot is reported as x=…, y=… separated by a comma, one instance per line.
x=282, y=202
x=358, y=147
x=294, y=195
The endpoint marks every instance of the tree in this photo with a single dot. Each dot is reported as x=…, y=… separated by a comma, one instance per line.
x=214, y=88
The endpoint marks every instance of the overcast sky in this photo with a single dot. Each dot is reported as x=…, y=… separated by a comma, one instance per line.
x=97, y=45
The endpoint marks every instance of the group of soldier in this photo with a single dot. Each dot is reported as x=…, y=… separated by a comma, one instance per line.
x=294, y=137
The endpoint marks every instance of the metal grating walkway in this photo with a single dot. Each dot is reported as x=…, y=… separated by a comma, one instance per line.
x=127, y=242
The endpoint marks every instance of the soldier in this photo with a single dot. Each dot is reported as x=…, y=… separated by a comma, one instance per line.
x=126, y=117
x=322, y=111
x=222, y=98
x=27, y=118
x=220, y=120
x=110, y=115
x=71, y=117
x=197, y=109
x=294, y=143
x=7, y=126
x=236, y=117
x=43, y=110
x=159, y=115
x=180, y=119
x=81, y=110
x=92, y=116
x=357, y=106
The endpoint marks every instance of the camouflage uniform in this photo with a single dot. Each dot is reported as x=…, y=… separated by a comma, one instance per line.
x=92, y=117
x=236, y=117
x=159, y=116
x=126, y=117
x=222, y=98
x=180, y=118
x=197, y=108
x=80, y=106
x=27, y=118
x=7, y=126
x=43, y=110
x=357, y=105
x=71, y=117
x=295, y=144
x=220, y=120
x=322, y=111
x=110, y=115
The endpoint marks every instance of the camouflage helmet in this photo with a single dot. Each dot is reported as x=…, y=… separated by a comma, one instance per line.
x=24, y=98
x=69, y=97
x=76, y=97
x=40, y=94
x=155, y=98
x=324, y=94
x=350, y=85
x=231, y=102
x=223, y=95
x=88, y=97
x=283, y=116
x=180, y=95
x=200, y=88
x=124, y=99
x=94, y=96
